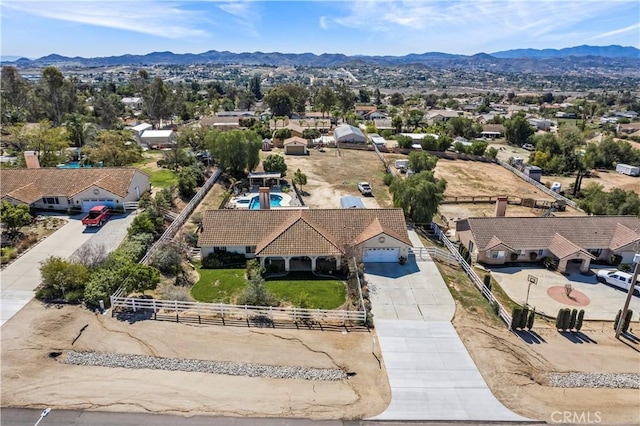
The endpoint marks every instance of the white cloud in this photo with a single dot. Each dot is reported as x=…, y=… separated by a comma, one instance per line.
x=323, y=22
x=617, y=32
x=162, y=19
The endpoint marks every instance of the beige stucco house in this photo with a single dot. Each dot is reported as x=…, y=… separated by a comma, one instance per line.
x=301, y=239
x=63, y=189
x=579, y=239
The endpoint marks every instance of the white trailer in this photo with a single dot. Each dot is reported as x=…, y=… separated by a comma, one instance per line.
x=627, y=169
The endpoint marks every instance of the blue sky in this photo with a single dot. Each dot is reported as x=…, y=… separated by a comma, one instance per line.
x=370, y=27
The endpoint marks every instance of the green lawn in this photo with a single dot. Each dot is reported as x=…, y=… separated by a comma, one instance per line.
x=321, y=293
x=218, y=285
x=162, y=178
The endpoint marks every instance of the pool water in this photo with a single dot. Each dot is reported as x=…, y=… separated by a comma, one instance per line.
x=274, y=201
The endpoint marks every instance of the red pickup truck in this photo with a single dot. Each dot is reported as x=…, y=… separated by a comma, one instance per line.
x=97, y=216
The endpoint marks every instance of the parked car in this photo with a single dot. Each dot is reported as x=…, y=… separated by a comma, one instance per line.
x=529, y=147
x=364, y=188
x=618, y=279
x=97, y=216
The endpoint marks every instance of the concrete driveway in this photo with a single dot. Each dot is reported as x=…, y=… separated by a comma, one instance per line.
x=432, y=376
x=19, y=280
x=604, y=300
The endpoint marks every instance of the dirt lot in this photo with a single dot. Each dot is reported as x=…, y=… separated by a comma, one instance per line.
x=608, y=179
x=515, y=369
x=30, y=378
x=331, y=176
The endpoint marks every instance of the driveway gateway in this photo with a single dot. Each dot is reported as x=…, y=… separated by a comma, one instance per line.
x=432, y=376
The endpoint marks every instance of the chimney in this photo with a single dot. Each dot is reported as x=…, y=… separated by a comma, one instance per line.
x=31, y=158
x=501, y=206
x=265, y=202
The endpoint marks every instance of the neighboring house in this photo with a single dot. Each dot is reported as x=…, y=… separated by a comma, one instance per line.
x=221, y=123
x=83, y=188
x=628, y=128
x=239, y=114
x=383, y=124
x=434, y=116
x=377, y=140
x=540, y=124
x=295, y=146
x=133, y=103
x=375, y=115
x=492, y=131
x=363, y=110
x=139, y=129
x=418, y=137
x=350, y=134
x=626, y=114
x=157, y=139
x=303, y=239
x=500, y=240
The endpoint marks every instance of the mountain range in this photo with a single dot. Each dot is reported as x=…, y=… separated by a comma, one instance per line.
x=518, y=60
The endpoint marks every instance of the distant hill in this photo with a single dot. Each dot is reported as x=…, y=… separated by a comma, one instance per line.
x=612, y=51
x=520, y=60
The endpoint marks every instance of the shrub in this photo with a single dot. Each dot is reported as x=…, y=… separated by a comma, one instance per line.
x=627, y=321
x=533, y=256
x=531, y=319
x=524, y=318
x=566, y=319
x=167, y=258
x=579, y=320
x=516, y=314
x=514, y=257
x=615, y=259
x=256, y=294
x=624, y=267
x=559, y=319
x=615, y=322
x=487, y=281
x=496, y=307
x=387, y=179
x=62, y=279
x=223, y=259
x=572, y=319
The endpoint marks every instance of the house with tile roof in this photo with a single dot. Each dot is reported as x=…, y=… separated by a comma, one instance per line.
x=579, y=239
x=64, y=189
x=303, y=239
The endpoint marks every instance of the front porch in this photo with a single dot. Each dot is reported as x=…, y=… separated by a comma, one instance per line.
x=300, y=263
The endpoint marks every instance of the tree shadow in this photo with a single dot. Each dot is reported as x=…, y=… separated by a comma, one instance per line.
x=530, y=337
x=577, y=337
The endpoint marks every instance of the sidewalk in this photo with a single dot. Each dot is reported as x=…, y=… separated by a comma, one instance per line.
x=432, y=376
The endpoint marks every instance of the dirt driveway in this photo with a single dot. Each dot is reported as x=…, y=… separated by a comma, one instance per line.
x=30, y=378
x=334, y=174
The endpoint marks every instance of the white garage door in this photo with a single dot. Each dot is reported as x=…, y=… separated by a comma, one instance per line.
x=87, y=204
x=381, y=254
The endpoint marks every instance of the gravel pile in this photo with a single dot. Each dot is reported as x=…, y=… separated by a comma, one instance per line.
x=109, y=359
x=595, y=380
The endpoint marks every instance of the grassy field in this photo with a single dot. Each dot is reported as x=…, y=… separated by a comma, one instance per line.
x=218, y=285
x=159, y=177
x=316, y=292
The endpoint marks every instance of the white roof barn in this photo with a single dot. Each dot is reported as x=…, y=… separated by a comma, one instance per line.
x=347, y=133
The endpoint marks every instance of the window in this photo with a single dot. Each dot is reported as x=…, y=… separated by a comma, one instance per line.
x=595, y=252
x=540, y=252
x=521, y=253
x=221, y=249
x=250, y=249
x=51, y=200
x=497, y=254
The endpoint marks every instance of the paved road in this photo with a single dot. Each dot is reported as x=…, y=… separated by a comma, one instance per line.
x=28, y=417
x=432, y=376
x=19, y=280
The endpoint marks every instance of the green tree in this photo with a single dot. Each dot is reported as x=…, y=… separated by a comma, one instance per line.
x=414, y=119
x=167, y=258
x=114, y=148
x=282, y=134
x=364, y=96
x=478, y=147
x=107, y=108
x=279, y=102
x=396, y=99
x=14, y=217
x=62, y=280
x=346, y=98
x=156, y=98
x=193, y=137
x=420, y=160
x=50, y=142
x=235, y=150
x=274, y=163
x=396, y=122
x=299, y=179
x=311, y=133
x=14, y=102
x=139, y=278
x=256, y=294
x=142, y=224
x=418, y=195
x=325, y=100
x=186, y=183
x=517, y=130
x=79, y=129
x=255, y=86
x=58, y=94
x=377, y=97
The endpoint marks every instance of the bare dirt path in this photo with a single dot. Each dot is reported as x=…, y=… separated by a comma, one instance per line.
x=30, y=378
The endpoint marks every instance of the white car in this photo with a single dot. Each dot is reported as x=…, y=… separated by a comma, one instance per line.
x=364, y=188
x=618, y=279
x=529, y=147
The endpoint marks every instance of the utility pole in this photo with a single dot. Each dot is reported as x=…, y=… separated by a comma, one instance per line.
x=632, y=288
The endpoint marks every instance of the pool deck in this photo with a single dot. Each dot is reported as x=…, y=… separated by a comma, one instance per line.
x=243, y=201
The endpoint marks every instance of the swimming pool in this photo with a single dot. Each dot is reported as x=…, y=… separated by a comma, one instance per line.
x=274, y=201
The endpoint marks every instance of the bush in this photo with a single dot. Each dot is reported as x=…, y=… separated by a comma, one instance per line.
x=579, y=320
x=627, y=321
x=223, y=259
x=559, y=318
x=615, y=259
x=514, y=257
x=487, y=281
x=566, y=319
x=387, y=179
x=63, y=280
x=533, y=256
x=256, y=294
x=516, y=314
x=531, y=319
x=524, y=318
x=167, y=258
x=624, y=267
x=572, y=319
